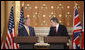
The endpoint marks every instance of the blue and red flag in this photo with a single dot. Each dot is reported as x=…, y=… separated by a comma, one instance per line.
x=77, y=29
x=9, y=44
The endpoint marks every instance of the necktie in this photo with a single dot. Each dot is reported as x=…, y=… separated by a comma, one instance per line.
x=28, y=31
x=55, y=31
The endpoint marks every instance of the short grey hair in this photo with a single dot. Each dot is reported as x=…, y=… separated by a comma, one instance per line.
x=25, y=19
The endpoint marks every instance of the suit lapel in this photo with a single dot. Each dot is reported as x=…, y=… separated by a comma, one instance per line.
x=30, y=31
x=25, y=32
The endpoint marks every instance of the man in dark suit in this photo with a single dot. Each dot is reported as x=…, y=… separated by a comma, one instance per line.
x=57, y=29
x=26, y=29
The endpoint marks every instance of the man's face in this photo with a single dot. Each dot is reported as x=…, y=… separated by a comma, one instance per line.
x=53, y=23
x=28, y=22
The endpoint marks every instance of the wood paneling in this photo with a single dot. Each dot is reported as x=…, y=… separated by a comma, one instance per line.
x=2, y=16
x=39, y=20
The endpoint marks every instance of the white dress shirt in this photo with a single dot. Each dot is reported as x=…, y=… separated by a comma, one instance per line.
x=26, y=27
x=57, y=27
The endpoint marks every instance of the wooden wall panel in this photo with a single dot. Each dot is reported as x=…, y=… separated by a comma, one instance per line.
x=43, y=17
x=2, y=15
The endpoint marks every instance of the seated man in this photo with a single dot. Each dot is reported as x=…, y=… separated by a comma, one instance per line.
x=57, y=29
x=26, y=30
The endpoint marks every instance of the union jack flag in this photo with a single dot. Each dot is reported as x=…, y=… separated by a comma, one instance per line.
x=77, y=29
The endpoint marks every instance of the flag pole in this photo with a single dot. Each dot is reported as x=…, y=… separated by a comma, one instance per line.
x=12, y=3
x=22, y=3
x=75, y=3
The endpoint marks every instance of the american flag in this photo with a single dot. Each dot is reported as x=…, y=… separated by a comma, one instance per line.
x=11, y=33
x=21, y=18
x=77, y=29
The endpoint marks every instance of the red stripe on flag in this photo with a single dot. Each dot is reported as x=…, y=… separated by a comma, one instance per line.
x=7, y=44
x=77, y=30
x=9, y=38
x=82, y=43
x=77, y=41
x=76, y=20
x=12, y=39
x=17, y=46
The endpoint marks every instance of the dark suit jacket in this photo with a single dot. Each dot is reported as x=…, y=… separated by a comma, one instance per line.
x=23, y=32
x=62, y=31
